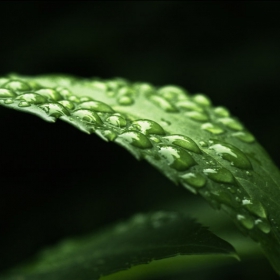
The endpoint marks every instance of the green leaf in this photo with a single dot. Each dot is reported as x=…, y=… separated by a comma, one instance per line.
x=194, y=144
x=142, y=239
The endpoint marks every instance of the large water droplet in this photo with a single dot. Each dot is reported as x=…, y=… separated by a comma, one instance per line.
x=6, y=93
x=255, y=207
x=96, y=106
x=163, y=103
x=194, y=179
x=49, y=93
x=116, y=120
x=189, y=105
x=231, y=123
x=32, y=98
x=202, y=100
x=263, y=226
x=67, y=104
x=221, y=112
x=244, y=136
x=176, y=157
x=54, y=109
x=220, y=175
x=148, y=127
x=183, y=142
x=231, y=154
x=197, y=116
x=125, y=100
x=136, y=139
x=247, y=222
x=212, y=128
x=17, y=85
x=87, y=116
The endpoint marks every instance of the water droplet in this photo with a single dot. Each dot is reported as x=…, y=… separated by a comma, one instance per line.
x=244, y=136
x=24, y=104
x=197, y=116
x=32, y=98
x=54, y=109
x=74, y=98
x=85, y=99
x=231, y=123
x=6, y=93
x=194, y=179
x=125, y=91
x=202, y=144
x=34, y=85
x=110, y=135
x=49, y=93
x=125, y=100
x=172, y=93
x=256, y=208
x=154, y=139
x=99, y=85
x=66, y=93
x=220, y=175
x=3, y=81
x=231, y=154
x=87, y=116
x=96, y=106
x=148, y=127
x=116, y=120
x=202, y=100
x=247, y=222
x=212, y=128
x=67, y=104
x=189, y=105
x=183, y=142
x=221, y=112
x=176, y=158
x=246, y=201
x=263, y=226
x=163, y=103
x=136, y=139
x=17, y=85
x=9, y=101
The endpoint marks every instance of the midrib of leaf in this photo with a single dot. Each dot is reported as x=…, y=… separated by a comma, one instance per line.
x=259, y=185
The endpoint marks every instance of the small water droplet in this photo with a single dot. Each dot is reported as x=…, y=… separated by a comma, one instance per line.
x=246, y=201
x=49, y=93
x=154, y=139
x=148, y=127
x=54, y=109
x=67, y=104
x=189, y=105
x=163, y=103
x=116, y=120
x=202, y=100
x=172, y=93
x=220, y=175
x=221, y=112
x=194, y=179
x=136, y=139
x=24, y=104
x=263, y=226
x=244, y=136
x=256, y=208
x=212, y=128
x=96, y=106
x=99, y=85
x=125, y=91
x=9, y=101
x=74, y=98
x=197, y=116
x=85, y=99
x=183, y=142
x=247, y=222
x=110, y=135
x=6, y=93
x=17, y=85
x=231, y=154
x=87, y=116
x=32, y=98
x=231, y=123
x=125, y=100
x=176, y=157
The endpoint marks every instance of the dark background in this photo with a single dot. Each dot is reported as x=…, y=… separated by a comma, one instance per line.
x=57, y=181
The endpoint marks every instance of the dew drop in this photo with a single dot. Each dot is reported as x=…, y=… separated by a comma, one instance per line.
x=24, y=104
x=116, y=120
x=136, y=139
x=87, y=116
x=183, y=142
x=74, y=98
x=148, y=127
x=125, y=100
x=246, y=222
x=194, y=179
x=67, y=104
x=96, y=106
x=244, y=136
x=110, y=135
x=32, y=98
x=9, y=101
x=263, y=226
x=6, y=93
x=189, y=105
x=3, y=81
x=256, y=208
x=125, y=91
x=17, y=85
x=154, y=139
x=49, y=93
x=212, y=128
x=99, y=85
x=54, y=109
x=176, y=158
x=172, y=93
x=202, y=100
x=220, y=175
x=231, y=123
x=231, y=154
x=221, y=112
x=163, y=103
x=197, y=116
x=85, y=99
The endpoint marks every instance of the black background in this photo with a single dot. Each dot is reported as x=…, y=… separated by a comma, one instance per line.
x=57, y=181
